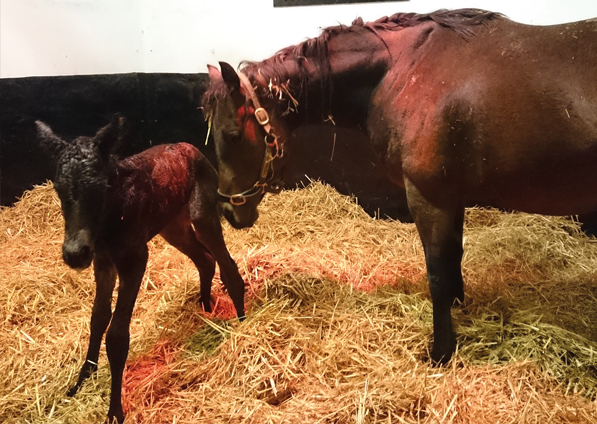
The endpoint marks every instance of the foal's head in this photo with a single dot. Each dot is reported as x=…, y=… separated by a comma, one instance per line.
x=81, y=183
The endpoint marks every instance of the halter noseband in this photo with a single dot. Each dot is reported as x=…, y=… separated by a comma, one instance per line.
x=272, y=151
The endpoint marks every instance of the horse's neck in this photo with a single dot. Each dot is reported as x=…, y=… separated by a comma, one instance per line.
x=364, y=52
x=356, y=63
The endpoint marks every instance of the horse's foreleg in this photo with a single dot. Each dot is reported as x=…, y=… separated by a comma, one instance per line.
x=208, y=231
x=105, y=278
x=181, y=235
x=458, y=249
x=131, y=267
x=442, y=242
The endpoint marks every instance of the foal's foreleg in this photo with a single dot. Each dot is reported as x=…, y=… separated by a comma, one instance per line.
x=441, y=236
x=105, y=278
x=131, y=267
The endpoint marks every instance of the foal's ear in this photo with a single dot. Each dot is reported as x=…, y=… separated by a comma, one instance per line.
x=230, y=76
x=48, y=140
x=105, y=139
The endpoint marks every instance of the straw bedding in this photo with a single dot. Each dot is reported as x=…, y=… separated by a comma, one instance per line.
x=338, y=327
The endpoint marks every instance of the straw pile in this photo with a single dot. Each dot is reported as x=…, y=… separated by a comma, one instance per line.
x=338, y=328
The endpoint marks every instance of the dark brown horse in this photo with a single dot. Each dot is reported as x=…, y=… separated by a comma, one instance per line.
x=462, y=107
x=112, y=208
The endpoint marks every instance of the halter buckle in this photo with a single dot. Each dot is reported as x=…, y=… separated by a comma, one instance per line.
x=261, y=116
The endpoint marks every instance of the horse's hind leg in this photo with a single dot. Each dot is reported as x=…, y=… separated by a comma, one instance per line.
x=442, y=242
x=180, y=234
x=131, y=267
x=105, y=278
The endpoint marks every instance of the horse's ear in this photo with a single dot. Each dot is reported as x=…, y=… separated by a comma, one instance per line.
x=214, y=73
x=48, y=140
x=107, y=137
x=230, y=76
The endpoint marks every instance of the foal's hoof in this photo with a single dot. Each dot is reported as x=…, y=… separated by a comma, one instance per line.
x=458, y=298
x=73, y=390
x=440, y=359
x=441, y=353
x=206, y=305
x=116, y=418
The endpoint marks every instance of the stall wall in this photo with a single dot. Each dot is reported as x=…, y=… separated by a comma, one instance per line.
x=73, y=63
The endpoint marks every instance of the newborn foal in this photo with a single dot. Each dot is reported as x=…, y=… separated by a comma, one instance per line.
x=113, y=208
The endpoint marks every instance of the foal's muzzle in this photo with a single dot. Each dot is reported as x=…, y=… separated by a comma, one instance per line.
x=77, y=252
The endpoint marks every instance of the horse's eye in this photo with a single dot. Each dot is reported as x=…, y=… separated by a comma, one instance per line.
x=233, y=136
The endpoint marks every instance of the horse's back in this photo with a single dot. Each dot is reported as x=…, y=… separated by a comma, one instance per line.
x=506, y=117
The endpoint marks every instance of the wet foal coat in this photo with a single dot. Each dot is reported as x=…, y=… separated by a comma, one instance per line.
x=112, y=208
x=462, y=108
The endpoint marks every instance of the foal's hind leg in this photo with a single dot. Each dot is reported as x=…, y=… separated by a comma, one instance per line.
x=180, y=234
x=105, y=278
x=208, y=230
x=442, y=242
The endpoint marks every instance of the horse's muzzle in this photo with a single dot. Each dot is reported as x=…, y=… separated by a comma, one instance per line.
x=241, y=216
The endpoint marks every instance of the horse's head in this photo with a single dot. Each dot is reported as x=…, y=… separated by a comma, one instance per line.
x=81, y=183
x=246, y=140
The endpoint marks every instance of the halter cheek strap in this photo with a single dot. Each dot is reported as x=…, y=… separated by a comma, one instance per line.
x=272, y=151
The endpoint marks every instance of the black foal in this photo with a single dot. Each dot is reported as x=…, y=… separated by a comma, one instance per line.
x=112, y=208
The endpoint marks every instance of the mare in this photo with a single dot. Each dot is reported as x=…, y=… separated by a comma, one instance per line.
x=462, y=108
x=112, y=208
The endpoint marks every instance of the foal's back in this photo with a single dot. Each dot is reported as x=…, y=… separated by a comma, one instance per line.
x=148, y=190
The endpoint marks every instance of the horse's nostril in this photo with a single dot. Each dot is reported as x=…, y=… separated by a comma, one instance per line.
x=85, y=250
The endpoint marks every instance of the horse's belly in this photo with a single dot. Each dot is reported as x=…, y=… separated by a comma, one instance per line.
x=551, y=194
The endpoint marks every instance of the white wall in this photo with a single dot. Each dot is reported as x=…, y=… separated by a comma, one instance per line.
x=75, y=37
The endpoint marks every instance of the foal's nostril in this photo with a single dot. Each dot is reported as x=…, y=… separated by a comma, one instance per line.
x=77, y=257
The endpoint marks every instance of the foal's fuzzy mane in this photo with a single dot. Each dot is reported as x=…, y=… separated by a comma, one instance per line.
x=275, y=70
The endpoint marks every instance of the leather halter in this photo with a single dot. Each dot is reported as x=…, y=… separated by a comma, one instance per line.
x=272, y=151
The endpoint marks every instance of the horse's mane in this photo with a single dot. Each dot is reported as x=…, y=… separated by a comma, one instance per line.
x=275, y=68
x=457, y=20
